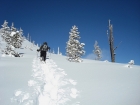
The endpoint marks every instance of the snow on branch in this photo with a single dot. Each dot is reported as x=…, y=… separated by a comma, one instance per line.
x=12, y=37
x=74, y=48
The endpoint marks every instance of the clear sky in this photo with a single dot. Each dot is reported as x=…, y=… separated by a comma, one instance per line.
x=51, y=21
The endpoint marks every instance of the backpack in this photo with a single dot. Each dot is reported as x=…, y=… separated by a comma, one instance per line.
x=44, y=47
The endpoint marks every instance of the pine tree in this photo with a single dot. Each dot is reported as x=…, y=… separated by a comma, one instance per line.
x=12, y=37
x=16, y=37
x=5, y=31
x=74, y=49
x=58, y=52
x=21, y=32
x=13, y=29
x=53, y=51
x=97, y=51
x=37, y=45
x=130, y=63
x=28, y=37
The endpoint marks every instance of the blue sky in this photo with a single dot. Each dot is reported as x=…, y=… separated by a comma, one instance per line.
x=51, y=21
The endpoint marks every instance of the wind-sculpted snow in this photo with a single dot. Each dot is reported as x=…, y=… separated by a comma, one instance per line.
x=49, y=86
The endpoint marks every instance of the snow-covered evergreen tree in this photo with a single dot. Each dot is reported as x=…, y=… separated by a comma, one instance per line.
x=12, y=37
x=53, y=51
x=58, y=52
x=28, y=37
x=74, y=48
x=37, y=45
x=5, y=31
x=33, y=43
x=97, y=51
x=130, y=63
x=16, y=37
x=21, y=33
x=10, y=50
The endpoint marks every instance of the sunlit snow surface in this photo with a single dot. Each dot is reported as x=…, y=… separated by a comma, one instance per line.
x=49, y=86
x=27, y=81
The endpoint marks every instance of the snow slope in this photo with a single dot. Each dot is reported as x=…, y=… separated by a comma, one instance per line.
x=103, y=83
x=27, y=81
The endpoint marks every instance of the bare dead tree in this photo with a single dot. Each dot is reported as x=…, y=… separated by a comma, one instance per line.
x=111, y=42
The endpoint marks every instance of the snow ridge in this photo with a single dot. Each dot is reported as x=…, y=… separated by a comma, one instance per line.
x=48, y=86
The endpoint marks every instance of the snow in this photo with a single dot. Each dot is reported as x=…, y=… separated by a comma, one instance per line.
x=28, y=81
x=12, y=33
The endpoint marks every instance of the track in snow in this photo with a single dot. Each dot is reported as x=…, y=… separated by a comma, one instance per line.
x=48, y=86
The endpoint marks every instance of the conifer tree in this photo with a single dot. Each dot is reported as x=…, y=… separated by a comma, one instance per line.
x=16, y=37
x=97, y=51
x=5, y=31
x=12, y=37
x=74, y=48
x=28, y=37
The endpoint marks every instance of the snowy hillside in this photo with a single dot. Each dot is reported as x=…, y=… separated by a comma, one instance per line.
x=27, y=81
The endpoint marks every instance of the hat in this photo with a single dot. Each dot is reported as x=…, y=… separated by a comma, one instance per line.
x=45, y=42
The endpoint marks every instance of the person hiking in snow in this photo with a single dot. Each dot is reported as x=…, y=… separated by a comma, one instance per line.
x=43, y=50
